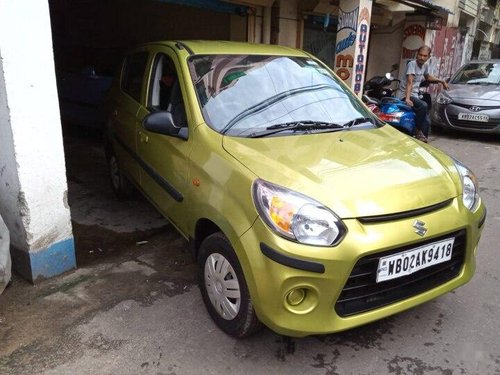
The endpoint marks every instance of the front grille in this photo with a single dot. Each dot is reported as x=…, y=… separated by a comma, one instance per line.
x=403, y=215
x=480, y=108
x=362, y=293
x=491, y=124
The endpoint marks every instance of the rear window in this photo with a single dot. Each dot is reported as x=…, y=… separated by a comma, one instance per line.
x=133, y=74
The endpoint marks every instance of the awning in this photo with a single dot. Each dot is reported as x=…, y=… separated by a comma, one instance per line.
x=254, y=3
x=426, y=5
x=215, y=5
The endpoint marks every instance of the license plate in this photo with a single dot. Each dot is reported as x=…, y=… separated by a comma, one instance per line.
x=473, y=117
x=410, y=261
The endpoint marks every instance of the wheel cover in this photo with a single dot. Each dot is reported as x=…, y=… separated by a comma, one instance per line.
x=222, y=286
x=114, y=171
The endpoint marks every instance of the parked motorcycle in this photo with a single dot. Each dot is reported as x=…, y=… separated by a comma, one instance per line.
x=379, y=87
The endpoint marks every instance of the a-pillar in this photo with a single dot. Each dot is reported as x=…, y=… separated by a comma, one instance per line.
x=351, y=49
x=33, y=187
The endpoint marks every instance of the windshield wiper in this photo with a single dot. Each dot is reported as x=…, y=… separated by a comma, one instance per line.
x=259, y=107
x=296, y=126
x=359, y=120
x=308, y=126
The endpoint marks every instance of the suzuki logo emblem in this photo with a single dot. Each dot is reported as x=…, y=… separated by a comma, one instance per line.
x=475, y=108
x=420, y=228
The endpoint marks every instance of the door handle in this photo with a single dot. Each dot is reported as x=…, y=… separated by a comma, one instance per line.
x=143, y=137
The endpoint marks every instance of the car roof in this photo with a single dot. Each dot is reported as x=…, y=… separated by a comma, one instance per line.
x=211, y=47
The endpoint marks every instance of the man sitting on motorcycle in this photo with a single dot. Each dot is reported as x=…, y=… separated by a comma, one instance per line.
x=416, y=71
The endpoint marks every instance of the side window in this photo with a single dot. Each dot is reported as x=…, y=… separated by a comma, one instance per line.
x=166, y=92
x=133, y=74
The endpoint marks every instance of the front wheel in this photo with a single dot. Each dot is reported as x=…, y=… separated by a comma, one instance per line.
x=224, y=289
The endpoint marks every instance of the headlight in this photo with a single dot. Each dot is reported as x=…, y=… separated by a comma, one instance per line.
x=295, y=216
x=443, y=98
x=470, y=185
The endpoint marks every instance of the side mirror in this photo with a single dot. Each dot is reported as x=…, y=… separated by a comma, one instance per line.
x=388, y=76
x=162, y=122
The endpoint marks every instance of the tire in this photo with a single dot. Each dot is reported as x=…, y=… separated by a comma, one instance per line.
x=120, y=184
x=224, y=288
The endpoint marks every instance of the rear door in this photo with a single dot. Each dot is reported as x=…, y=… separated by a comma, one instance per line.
x=125, y=110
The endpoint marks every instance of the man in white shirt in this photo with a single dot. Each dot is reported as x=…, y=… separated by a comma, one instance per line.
x=416, y=71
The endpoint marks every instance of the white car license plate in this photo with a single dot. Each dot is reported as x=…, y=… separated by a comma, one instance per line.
x=473, y=117
x=410, y=261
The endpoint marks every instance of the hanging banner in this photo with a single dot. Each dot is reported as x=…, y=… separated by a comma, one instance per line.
x=351, y=49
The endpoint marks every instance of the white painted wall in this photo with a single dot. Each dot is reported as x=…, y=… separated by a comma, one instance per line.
x=385, y=50
x=9, y=181
x=33, y=189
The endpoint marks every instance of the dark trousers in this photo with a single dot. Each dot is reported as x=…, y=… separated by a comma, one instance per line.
x=422, y=120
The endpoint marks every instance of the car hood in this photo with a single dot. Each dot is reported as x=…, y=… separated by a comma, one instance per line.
x=479, y=94
x=356, y=173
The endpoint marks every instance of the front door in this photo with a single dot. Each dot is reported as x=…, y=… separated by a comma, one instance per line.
x=165, y=158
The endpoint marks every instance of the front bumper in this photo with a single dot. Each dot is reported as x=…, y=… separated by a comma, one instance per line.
x=446, y=116
x=274, y=267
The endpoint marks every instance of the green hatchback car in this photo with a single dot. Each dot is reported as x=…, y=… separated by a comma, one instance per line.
x=305, y=212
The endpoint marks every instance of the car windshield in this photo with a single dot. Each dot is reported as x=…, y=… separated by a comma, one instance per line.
x=481, y=73
x=251, y=96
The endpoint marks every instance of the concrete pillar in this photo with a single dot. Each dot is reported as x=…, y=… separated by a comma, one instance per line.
x=266, y=25
x=351, y=50
x=33, y=187
x=289, y=23
x=255, y=25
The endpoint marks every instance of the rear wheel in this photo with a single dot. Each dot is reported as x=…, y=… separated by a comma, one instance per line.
x=122, y=187
x=224, y=289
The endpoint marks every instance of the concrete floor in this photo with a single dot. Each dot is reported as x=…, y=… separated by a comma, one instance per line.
x=133, y=305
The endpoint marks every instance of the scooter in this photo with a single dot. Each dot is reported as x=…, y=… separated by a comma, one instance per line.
x=397, y=113
x=379, y=87
x=379, y=97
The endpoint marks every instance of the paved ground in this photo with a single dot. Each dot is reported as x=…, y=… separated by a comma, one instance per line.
x=133, y=306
